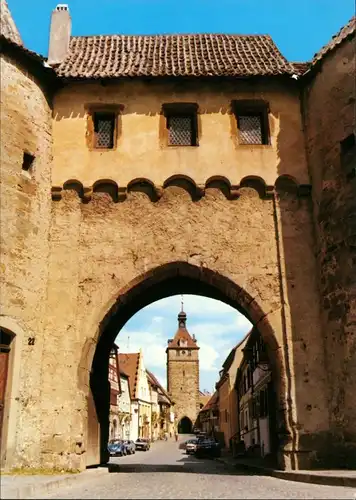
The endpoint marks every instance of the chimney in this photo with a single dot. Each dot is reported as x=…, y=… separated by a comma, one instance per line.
x=59, y=36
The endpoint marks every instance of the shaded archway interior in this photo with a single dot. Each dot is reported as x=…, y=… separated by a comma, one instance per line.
x=185, y=426
x=165, y=281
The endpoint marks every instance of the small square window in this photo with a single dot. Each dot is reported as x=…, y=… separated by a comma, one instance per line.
x=250, y=129
x=252, y=122
x=181, y=131
x=27, y=162
x=104, y=130
x=181, y=124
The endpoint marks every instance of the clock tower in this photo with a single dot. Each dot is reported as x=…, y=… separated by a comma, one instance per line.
x=183, y=375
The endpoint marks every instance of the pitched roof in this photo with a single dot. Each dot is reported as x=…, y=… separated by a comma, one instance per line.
x=113, y=56
x=8, y=27
x=346, y=31
x=129, y=363
x=212, y=403
x=155, y=382
x=182, y=334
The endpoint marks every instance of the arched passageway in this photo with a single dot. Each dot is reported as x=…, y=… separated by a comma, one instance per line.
x=164, y=281
x=185, y=426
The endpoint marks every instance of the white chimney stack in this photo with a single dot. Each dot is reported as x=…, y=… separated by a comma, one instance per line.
x=60, y=32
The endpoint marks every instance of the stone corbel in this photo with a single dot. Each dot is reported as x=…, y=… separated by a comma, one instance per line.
x=269, y=193
x=200, y=191
x=56, y=192
x=234, y=192
x=122, y=194
x=87, y=194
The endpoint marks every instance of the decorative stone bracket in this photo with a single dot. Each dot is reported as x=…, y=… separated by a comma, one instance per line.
x=284, y=183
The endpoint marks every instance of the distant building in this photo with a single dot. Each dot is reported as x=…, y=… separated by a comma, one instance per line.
x=183, y=375
x=133, y=365
x=162, y=409
x=208, y=419
x=228, y=407
x=256, y=399
x=115, y=389
x=124, y=406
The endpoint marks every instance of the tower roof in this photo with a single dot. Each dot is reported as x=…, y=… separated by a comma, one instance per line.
x=8, y=27
x=182, y=338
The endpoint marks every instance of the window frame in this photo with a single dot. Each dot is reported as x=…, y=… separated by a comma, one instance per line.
x=249, y=107
x=182, y=109
x=93, y=110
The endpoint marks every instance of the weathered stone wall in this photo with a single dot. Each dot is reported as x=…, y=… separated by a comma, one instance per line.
x=183, y=383
x=98, y=249
x=329, y=108
x=25, y=219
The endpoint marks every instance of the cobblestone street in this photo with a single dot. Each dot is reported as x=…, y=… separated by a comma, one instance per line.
x=167, y=472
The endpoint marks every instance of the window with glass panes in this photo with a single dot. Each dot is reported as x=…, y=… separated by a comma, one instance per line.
x=252, y=122
x=104, y=130
x=181, y=130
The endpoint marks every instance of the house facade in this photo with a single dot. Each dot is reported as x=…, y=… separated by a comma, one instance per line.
x=256, y=400
x=125, y=415
x=115, y=392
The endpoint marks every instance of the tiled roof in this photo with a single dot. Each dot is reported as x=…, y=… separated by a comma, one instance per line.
x=129, y=363
x=301, y=67
x=8, y=27
x=154, y=381
x=112, y=56
x=182, y=334
x=212, y=403
x=345, y=31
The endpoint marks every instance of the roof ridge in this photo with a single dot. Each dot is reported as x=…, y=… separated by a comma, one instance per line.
x=205, y=33
x=344, y=32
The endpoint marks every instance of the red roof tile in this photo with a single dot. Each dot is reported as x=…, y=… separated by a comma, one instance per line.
x=113, y=56
x=212, y=403
x=129, y=363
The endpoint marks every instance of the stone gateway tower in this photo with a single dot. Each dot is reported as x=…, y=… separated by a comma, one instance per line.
x=183, y=375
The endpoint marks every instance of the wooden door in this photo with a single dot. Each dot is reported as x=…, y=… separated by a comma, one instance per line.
x=4, y=363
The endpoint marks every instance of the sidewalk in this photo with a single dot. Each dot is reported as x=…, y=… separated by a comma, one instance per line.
x=325, y=477
x=31, y=486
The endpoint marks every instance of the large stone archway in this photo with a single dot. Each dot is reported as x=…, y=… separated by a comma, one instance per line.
x=166, y=280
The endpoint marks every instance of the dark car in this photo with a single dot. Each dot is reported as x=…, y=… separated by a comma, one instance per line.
x=130, y=447
x=116, y=447
x=142, y=444
x=207, y=447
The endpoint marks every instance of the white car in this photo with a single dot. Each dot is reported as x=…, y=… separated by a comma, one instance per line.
x=191, y=446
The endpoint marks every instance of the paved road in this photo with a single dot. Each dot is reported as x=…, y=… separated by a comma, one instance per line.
x=166, y=472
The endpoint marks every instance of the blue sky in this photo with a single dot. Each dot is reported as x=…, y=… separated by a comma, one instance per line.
x=299, y=28
x=217, y=327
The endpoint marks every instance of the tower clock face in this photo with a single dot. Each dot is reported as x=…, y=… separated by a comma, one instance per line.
x=183, y=352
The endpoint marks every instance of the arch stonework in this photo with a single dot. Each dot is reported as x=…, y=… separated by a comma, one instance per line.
x=108, y=260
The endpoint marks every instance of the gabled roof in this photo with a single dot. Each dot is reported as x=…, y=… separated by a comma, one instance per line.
x=346, y=31
x=113, y=56
x=182, y=334
x=8, y=27
x=129, y=364
x=163, y=394
x=212, y=403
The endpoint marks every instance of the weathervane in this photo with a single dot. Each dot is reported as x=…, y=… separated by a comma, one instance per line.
x=182, y=303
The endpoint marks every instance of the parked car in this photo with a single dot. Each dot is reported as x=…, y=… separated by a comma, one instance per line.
x=207, y=447
x=191, y=446
x=142, y=444
x=130, y=447
x=116, y=447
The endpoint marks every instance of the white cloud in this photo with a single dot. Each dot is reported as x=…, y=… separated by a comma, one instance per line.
x=218, y=328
